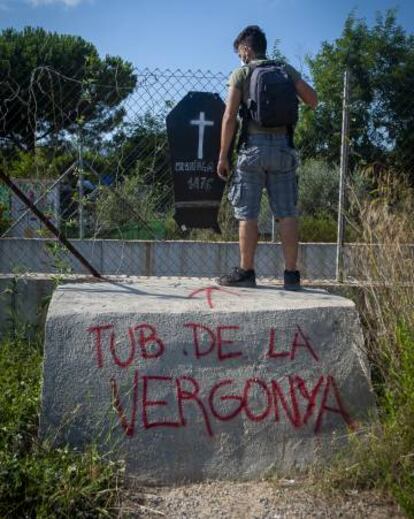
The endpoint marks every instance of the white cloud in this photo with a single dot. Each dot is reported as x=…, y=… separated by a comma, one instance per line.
x=9, y=5
x=67, y=3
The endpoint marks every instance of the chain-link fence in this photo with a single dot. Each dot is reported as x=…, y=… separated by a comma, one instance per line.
x=94, y=158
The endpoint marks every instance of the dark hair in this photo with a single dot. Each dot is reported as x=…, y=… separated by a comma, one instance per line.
x=254, y=37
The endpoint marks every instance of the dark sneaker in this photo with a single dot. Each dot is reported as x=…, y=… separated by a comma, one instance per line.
x=238, y=278
x=291, y=280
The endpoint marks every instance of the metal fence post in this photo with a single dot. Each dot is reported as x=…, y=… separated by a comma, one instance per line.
x=342, y=175
x=273, y=229
x=81, y=191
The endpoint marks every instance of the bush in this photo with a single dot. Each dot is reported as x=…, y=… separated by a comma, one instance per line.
x=43, y=163
x=131, y=204
x=319, y=228
x=4, y=218
x=318, y=188
x=35, y=479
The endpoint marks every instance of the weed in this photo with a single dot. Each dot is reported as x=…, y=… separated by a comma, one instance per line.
x=37, y=480
x=383, y=457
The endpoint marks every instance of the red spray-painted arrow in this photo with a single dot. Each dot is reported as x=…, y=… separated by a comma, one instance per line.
x=209, y=292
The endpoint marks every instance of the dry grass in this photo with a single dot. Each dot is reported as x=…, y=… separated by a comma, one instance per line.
x=384, y=456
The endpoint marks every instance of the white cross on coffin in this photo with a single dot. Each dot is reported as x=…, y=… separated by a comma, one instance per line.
x=201, y=123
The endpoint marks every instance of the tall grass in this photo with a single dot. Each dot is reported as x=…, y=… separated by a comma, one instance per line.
x=384, y=458
x=37, y=481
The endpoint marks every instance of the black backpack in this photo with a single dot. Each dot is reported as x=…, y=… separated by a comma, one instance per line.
x=272, y=99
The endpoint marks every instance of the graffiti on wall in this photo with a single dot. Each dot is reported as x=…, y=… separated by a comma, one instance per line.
x=297, y=399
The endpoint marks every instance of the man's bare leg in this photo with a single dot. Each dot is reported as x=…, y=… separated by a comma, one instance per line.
x=248, y=236
x=289, y=235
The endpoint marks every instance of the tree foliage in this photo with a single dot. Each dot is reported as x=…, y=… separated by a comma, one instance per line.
x=381, y=62
x=51, y=84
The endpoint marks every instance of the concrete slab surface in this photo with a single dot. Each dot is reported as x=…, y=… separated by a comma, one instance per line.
x=190, y=381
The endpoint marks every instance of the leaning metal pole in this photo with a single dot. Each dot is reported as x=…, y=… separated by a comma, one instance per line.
x=343, y=168
x=54, y=230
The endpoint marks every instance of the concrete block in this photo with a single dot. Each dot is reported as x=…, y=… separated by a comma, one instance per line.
x=188, y=381
x=31, y=299
x=23, y=303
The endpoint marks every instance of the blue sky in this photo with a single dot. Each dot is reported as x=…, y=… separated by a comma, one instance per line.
x=190, y=34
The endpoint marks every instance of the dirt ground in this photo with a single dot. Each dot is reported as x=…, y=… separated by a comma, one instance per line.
x=283, y=499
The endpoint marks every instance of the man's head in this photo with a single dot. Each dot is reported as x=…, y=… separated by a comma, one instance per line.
x=250, y=43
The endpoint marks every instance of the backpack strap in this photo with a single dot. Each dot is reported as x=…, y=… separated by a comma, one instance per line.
x=244, y=113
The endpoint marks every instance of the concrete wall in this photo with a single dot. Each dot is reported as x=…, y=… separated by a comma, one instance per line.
x=23, y=302
x=158, y=258
x=171, y=258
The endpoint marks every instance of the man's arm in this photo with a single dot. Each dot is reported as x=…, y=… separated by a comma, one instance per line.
x=306, y=93
x=228, y=127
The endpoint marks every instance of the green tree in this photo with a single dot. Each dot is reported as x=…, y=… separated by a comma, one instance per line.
x=140, y=149
x=381, y=61
x=276, y=52
x=141, y=145
x=52, y=84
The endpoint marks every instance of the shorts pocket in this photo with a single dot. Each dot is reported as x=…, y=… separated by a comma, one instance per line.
x=288, y=159
x=249, y=159
x=235, y=193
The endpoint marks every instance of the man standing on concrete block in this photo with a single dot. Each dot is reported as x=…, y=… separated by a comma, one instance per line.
x=266, y=92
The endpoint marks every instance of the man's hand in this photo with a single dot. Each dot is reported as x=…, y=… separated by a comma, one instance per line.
x=223, y=169
x=228, y=129
x=306, y=93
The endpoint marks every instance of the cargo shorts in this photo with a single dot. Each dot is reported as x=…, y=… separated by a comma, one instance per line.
x=265, y=161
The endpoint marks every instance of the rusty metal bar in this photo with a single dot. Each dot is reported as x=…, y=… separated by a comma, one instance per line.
x=54, y=230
